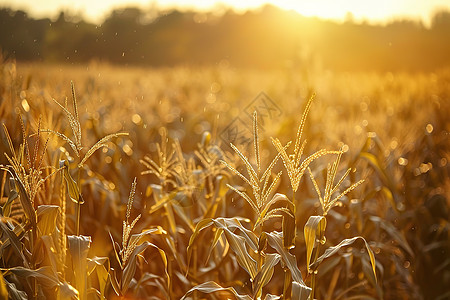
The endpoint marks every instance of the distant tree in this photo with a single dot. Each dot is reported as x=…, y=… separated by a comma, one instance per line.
x=266, y=38
x=441, y=21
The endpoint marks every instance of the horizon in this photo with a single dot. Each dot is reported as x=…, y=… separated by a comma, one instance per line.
x=372, y=12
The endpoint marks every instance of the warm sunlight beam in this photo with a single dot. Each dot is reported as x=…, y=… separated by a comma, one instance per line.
x=369, y=10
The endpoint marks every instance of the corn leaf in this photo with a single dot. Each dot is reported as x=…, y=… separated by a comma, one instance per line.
x=12, y=195
x=205, y=223
x=25, y=200
x=67, y=292
x=72, y=187
x=14, y=293
x=50, y=247
x=3, y=289
x=217, y=235
x=14, y=241
x=314, y=231
x=44, y=275
x=265, y=273
x=347, y=242
x=130, y=268
x=289, y=230
x=237, y=244
x=299, y=289
x=101, y=266
x=114, y=283
x=235, y=223
x=230, y=224
x=212, y=287
x=394, y=233
x=271, y=297
x=47, y=216
x=78, y=248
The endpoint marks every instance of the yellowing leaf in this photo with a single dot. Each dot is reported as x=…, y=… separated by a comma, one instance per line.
x=3, y=289
x=347, y=242
x=314, y=231
x=265, y=273
x=212, y=287
x=72, y=187
x=78, y=248
x=47, y=216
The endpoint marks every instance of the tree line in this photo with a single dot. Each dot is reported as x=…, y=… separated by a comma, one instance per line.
x=265, y=38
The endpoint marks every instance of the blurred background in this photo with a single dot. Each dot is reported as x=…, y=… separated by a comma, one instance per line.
x=343, y=36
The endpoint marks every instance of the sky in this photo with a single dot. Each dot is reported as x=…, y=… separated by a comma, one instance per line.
x=374, y=11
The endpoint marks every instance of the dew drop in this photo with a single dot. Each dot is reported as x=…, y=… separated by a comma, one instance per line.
x=25, y=105
x=136, y=119
x=402, y=161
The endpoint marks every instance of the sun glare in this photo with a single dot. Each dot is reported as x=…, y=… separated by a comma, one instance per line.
x=360, y=10
x=372, y=11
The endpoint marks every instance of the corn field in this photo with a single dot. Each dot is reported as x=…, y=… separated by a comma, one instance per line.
x=124, y=183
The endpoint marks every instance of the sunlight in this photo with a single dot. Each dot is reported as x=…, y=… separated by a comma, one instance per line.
x=381, y=11
x=360, y=10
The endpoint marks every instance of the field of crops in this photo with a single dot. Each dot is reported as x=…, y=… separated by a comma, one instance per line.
x=122, y=182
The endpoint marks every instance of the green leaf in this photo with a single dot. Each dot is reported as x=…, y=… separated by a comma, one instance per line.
x=47, y=216
x=212, y=287
x=347, y=242
x=79, y=248
x=314, y=231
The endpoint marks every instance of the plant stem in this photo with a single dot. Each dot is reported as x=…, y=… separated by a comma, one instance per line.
x=287, y=284
x=293, y=202
x=78, y=206
x=313, y=286
x=33, y=239
x=78, y=209
x=313, y=275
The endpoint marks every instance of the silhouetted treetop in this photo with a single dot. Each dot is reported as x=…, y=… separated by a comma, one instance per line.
x=265, y=38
